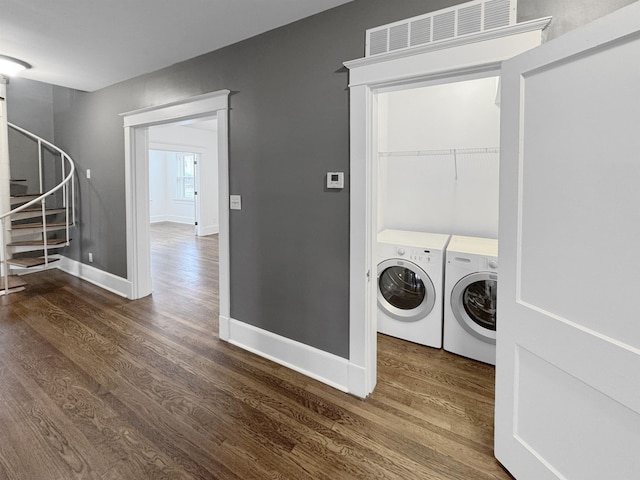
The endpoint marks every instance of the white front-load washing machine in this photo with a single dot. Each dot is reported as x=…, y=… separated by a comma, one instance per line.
x=410, y=285
x=471, y=287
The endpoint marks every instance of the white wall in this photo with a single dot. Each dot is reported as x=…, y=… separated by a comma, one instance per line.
x=199, y=137
x=163, y=204
x=440, y=193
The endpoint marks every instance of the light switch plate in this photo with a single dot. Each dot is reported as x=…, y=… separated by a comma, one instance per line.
x=235, y=202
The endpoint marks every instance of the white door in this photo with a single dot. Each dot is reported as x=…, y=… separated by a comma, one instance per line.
x=568, y=346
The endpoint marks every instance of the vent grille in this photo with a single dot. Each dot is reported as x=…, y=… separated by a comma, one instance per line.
x=399, y=36
x=378, y=42
x=444, y=26
x=421, y=31
x=496, y=14
x=465, y=19
x=470, y=20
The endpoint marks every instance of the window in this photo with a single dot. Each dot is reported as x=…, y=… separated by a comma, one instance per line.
x=186, y=175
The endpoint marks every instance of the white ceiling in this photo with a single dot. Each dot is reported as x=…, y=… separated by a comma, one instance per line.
x=90, y=44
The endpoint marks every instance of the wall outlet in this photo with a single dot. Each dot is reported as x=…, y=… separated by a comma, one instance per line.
x=90, y=257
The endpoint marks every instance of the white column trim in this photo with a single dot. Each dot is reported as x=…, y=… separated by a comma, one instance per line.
x=224, y=245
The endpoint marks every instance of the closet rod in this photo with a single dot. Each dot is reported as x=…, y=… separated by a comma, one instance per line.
x=450, y=151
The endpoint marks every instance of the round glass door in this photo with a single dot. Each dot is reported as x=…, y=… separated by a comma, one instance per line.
x=473, y=301
x=405, y=291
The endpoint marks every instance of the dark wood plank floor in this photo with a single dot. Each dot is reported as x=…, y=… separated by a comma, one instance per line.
x=94, y=386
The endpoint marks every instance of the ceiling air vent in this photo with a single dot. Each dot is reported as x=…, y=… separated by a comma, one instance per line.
x=465, y=19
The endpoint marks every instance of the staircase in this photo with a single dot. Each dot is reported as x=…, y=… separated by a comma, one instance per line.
x=38, y=222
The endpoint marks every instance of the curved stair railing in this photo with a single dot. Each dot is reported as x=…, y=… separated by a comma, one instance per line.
x=27, y=202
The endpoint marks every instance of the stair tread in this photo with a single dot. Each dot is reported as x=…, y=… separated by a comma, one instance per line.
x=22, y=197
x=15, y=281
x=36, y=212
x=39, y=209
x=36, y=225
x=35, y=243
x=29, y=261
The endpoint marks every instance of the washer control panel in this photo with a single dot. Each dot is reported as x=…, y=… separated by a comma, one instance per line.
x=414, y=254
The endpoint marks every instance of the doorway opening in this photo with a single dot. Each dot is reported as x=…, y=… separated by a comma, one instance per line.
x=183, y=174
x=183, y=197
x=136, y=127
x=172, y=193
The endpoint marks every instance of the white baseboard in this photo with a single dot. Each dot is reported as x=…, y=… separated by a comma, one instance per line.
x=209, y=230
x=203, y=229
x=318, y=364
x=172, y=219
x=108, y=281
x=179, y=219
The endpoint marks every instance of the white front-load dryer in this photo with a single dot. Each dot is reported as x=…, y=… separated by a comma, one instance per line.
x=410, y=285
x=471, y=287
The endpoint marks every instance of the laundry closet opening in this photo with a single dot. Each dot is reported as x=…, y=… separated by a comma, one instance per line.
x=437, y=184
x=424, y=137
x=438, y=158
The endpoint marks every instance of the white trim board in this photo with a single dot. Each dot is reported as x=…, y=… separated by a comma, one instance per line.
x=172, y=219
x=325, y=367
x=108, y=281
x=209, y=230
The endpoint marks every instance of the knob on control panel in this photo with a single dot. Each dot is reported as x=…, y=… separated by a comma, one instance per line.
x=401, y=251
x=493, y=264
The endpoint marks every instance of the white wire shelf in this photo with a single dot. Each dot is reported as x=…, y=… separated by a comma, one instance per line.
x=450, y=151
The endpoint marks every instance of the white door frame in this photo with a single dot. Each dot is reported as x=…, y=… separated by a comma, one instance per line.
x=463, y=58
x=136, y=124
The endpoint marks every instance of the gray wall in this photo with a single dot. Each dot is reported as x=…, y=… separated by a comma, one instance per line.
x=30, y=106
x=288, y=126
x=567, y=14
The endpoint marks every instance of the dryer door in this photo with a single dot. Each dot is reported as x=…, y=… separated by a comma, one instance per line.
x=473, y=302
x=405, y=291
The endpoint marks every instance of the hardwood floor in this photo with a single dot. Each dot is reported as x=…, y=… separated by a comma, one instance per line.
x=94, y=386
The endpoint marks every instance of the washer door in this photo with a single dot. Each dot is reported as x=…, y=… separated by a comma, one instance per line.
x=473, y=302
x=405, y=291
